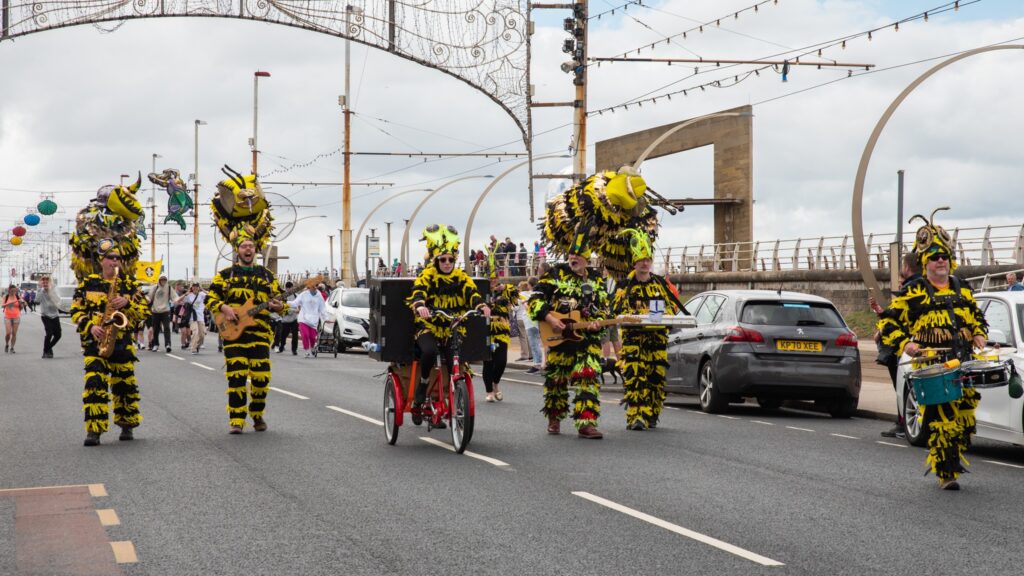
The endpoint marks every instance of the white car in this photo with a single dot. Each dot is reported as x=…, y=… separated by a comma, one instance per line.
x=66, y=294
x=1000, y=414
x=351, y=309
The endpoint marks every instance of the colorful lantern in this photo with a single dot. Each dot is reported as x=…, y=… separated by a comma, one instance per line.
x=16, y=240
x=47, y=207
x=18, y=231
x=31, y=219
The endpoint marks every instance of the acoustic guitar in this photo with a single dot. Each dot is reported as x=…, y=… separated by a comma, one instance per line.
x=551, y=337
x=246, y=313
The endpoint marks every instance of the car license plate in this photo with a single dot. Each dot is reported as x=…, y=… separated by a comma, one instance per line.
x=797, y=346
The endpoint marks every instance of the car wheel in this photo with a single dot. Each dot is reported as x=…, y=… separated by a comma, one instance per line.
x=843, y=408
x=711, y=400
x=914, y=424
x=770, y=403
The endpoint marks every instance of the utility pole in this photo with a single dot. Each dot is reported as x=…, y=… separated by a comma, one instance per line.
x=330, y=268
x=195, y=209
x=152, y=219
x=255, y=114
x=346, y=189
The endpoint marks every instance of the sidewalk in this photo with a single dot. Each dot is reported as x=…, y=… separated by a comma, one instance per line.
x=877, y=397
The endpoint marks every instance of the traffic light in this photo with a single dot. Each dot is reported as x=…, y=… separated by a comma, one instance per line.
x=576, y=46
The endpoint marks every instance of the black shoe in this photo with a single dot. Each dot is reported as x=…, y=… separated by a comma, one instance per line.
x=533, y=370
x=126, y=434
x=295, y=353
x=894, y=432
x=92, y=439
x=168, y=349
x=416, y=413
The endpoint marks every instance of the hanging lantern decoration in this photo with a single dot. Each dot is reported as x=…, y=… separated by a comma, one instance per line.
x=47, y=207
x=16, y=240
x=18, y=231
x=32, y=219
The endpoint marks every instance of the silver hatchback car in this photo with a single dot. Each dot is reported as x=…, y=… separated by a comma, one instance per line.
x=772, y=346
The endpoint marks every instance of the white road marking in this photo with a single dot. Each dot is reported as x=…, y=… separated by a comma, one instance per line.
x=201, y=366
x=703, y=538
x=671, y=408
x=844, y=436
x=701, y=412
x=890, y=444
x=175, y=357
x=762, y=422
x=1004, y=464
x=800, y=429
x=728, y=417
x=481, y=457
x=292, y=394
x=357, y=415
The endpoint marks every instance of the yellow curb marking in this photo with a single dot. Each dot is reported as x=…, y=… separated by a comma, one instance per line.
x=97, y=490
x=124, y=552
x=108, y=517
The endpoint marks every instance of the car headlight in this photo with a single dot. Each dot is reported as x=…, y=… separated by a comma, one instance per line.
x=352, y=319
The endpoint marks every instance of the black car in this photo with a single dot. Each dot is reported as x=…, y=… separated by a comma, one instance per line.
x=772, y=346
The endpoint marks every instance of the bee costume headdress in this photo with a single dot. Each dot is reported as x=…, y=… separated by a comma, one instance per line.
x=111, y=220
x=241, y=211
x=441, y=239
x=933, y=239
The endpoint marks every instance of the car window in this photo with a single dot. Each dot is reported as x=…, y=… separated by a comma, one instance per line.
x=693, y=304
x=355, y=299
x=997, y=314
x=709, y=309
x=791, y=314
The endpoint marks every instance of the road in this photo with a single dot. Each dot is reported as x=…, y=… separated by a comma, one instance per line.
x=749, y=492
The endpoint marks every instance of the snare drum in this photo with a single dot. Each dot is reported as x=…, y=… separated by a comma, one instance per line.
x=936, y=385
x=986, y=373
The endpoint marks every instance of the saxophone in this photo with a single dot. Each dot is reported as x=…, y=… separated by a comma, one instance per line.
x=113, y=320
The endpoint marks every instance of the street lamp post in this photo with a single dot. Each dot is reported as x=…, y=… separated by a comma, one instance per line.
x=330, y=268
x=123, y=176
x=152, y=213
x=388, y=224
x=255, y=114
x=195, y=203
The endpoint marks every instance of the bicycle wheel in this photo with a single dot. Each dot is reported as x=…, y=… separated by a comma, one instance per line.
x=392, y=409
x=460, y=415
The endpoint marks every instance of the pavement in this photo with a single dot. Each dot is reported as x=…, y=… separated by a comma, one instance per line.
x=877, y=397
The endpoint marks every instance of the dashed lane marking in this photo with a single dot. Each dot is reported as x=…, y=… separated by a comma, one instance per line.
x=287, y=393
x=762, y=422
x=124, y=552
x=356, y=415
x=800, y=429
x=108, y=517
x=175, y=357
x=728, y=417
x=201, y=366
x=890, y=444
x=702, y=538
x=1004, y=464
x=844, y=436
x=481, y=457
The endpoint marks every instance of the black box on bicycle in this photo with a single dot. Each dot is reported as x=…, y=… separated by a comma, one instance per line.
x=392, y=328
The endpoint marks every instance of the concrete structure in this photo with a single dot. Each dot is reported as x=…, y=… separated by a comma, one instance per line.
x=733, y=141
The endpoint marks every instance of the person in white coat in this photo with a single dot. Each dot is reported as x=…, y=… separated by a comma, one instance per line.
x=310, y=307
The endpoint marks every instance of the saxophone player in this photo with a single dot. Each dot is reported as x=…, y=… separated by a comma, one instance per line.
x=106, y=308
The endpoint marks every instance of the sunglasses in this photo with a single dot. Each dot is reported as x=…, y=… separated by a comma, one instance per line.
x=446, y=260
x=938, y=256
x=114, y=258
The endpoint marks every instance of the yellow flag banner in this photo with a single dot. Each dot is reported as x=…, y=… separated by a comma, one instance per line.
x=148, y=272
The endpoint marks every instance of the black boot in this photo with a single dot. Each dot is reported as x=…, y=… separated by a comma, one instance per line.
x=92, y=439
x=126, y=434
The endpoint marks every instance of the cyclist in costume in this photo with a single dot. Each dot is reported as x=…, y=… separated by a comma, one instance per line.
x=501, y=300
x=644, y=348
x=939, y=311
x=243, y=218
x=440, y=286
x=104, y=248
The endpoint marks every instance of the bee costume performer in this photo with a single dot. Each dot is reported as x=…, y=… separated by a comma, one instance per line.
x=583, y=220
x=107, y=308
x=644, y=348
x=939, y=311
x=243, y=218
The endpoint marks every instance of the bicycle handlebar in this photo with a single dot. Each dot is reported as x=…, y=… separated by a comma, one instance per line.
x=455, y=319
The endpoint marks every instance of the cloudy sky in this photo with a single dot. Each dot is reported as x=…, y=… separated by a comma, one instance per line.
x=80, y=107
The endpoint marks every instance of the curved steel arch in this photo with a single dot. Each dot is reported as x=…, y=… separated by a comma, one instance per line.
x=484, y=43
x=860, y=249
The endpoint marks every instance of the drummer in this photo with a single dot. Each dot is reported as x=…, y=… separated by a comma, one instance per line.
x=938, y=310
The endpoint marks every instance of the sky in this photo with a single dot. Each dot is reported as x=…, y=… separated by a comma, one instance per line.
x=80, y=107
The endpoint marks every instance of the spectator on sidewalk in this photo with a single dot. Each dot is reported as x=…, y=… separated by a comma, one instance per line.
x=1012, y=284
x=519, y=315
x=289, y=326
x=49, y=303
x=160, y=314
x=533, y=333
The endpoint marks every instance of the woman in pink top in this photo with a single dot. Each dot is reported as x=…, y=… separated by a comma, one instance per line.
x=13, y=305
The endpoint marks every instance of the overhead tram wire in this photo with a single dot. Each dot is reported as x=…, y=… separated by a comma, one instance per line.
x=807, y=50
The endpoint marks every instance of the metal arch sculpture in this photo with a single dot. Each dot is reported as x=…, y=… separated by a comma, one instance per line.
x=860, y=249
x=484, y=43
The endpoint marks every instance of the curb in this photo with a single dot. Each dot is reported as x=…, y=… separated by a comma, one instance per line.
x=798, y=404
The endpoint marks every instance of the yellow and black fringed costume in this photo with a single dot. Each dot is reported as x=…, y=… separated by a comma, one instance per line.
x=454, y=293
x=501, y=302
x=577, y=363
x=644, y=356
x=939, y=318
x=923, y=313
x=247, y=358
x=110, y=378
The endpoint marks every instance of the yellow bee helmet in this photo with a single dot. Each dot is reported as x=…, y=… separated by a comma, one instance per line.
x=624, y=188
x=122, y=201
